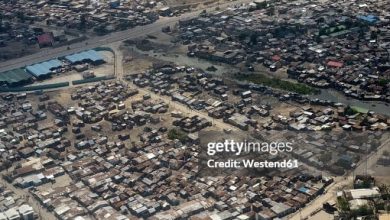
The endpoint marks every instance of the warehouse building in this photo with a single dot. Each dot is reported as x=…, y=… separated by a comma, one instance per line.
x=44, y=69
x=90, y=56
x=14, y=77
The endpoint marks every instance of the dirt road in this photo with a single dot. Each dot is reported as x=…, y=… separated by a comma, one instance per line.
x=42, y=212
x=178, y=106
x=339, y=183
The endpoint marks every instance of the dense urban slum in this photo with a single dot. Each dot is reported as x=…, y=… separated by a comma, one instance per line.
x=37, y=22
x=30, y=25
x=342, y=45
x=315, y=125
x=107, y=152
x=112, y=150
x=15, y=207
x=27, y=35
x=107, y=15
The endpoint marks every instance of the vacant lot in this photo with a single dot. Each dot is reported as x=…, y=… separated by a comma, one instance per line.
x=16, y=49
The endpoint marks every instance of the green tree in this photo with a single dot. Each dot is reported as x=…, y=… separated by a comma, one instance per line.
x=342, y=204
x=385, y=190
x=177, y=134
x=363, y=210
x=349, y=111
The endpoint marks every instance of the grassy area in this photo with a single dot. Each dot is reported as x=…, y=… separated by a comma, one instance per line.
x=177, y=134
x=359, y=109
x=383, y=82
x=277, y=83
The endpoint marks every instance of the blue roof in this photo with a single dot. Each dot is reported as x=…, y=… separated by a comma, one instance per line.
x=368, y=18
x=346, y=157
x=91, y=55
x=303, y=189
x=44, y=68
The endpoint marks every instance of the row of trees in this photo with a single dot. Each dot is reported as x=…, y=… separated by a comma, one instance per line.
x=368, y=210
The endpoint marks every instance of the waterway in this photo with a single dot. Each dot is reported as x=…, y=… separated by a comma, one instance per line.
x=336, y=96
x=325, y=94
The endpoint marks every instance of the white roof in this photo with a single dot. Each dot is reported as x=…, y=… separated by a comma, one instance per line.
x=364, y=193
x=62, y=209
x=25, y=209
x=12, y=213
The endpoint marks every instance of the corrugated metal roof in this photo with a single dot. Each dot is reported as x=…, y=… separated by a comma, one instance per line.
x=14, y=76
x=44, y=68
x=368, y=18
x=91, y=55
x=303, y=189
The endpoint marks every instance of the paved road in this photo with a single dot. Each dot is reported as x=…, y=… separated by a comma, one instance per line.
x=49, y=53
x=139, y=31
